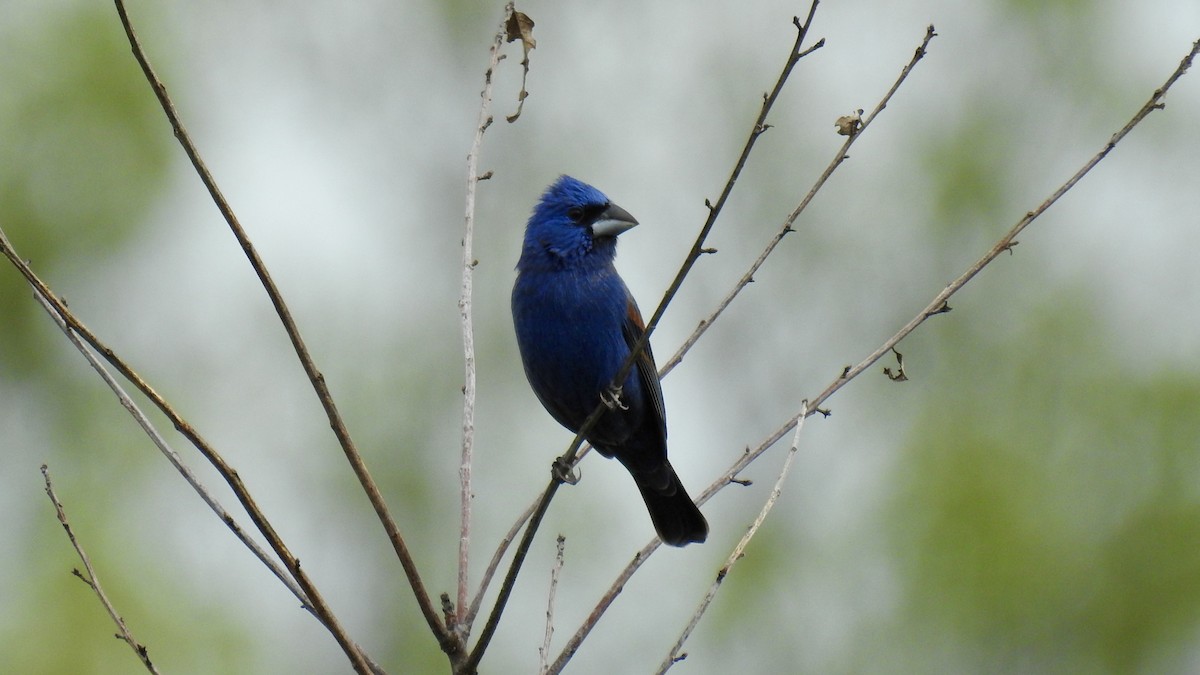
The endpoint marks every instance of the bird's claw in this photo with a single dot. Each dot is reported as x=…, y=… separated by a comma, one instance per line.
x=611, y=398
x=561, y=471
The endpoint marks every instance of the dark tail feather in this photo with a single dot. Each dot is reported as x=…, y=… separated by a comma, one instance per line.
x=674, y=514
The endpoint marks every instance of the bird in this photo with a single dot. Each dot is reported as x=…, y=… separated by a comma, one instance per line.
x=576, y=324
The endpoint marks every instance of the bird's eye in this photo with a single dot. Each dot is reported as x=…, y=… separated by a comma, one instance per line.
x=575, y=213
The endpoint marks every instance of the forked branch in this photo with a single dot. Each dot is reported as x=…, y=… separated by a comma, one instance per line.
x=88, y=576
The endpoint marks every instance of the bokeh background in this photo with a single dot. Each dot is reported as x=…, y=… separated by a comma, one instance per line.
x=1029, y=501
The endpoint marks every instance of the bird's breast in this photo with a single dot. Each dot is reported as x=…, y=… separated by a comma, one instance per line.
x=569, y=334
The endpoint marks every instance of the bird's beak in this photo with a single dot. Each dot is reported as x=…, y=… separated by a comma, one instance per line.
x=612, y=221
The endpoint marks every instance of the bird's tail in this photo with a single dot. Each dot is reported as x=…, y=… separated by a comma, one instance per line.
x=675, y=516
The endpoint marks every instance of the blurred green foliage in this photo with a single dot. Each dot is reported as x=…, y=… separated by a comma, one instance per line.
x=84, y=154
x=1048, y=515
x=85, y=151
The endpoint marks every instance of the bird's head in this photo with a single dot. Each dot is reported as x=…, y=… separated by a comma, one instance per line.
x=574, y=221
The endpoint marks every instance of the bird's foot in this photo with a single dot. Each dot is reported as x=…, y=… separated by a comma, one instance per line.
x=562, y=471
x=611, y=398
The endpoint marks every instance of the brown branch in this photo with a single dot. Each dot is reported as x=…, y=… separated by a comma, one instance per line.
x=618, y=585
x=184, y=470
x=497, y=557
x=561, y=471
x=674, y=655
x=173, y=457
x=318, y=607
x=448, y=641
x=714, y=210
x=856, y=130
x=489, y=629
x=89, y=577
x=602, y=606
x=939, y=304
x=729, y=477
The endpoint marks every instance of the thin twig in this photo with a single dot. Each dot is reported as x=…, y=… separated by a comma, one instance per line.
x=489, y=628
x=448, y=641
x=787, y=227
x=698, y=249
x=173, y=457
x=507, y=541
x=674, y=656
x=602, y=606
x=544, y=650
x=497, y=557
x=728, y=477
x=93, y=581
x=714, y=210
x=939, y=303
x=469, y=262
x=316, y=604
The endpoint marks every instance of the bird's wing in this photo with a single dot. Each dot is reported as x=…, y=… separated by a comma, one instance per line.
x=633, y=328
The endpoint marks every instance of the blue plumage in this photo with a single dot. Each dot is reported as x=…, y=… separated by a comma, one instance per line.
x=575, y=322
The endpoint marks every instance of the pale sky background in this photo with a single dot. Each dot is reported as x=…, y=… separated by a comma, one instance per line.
x=339, y=133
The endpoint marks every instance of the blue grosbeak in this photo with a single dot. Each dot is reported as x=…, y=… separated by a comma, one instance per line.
x=576, y=324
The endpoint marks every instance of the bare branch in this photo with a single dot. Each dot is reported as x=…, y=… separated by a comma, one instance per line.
x=449, y=643
x=939, y=304
x=489, y=628
x=859, y=125
x=93, y=581
x=675, y=655
x=490, y=572
x=601, y=607
x=544, y=650
x=59, y=311
x=469, y=262
x=174, y=458
x=698, y=249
